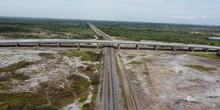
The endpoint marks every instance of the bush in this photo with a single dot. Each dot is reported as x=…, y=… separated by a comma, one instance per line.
x=86, y=106
x=44, y=108
x=94, y=80
x=16, y=66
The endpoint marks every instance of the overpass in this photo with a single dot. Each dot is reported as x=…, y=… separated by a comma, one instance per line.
x=58, y=42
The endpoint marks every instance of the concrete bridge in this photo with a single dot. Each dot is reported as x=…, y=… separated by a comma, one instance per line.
x=59, y=42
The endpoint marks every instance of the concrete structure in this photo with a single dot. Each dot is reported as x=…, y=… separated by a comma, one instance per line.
x=214, y=38
x=39, y=42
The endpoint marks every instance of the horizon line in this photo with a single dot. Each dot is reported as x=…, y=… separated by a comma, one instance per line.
x=209, y=25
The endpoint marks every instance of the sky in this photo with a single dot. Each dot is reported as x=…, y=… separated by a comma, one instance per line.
x=205, y=12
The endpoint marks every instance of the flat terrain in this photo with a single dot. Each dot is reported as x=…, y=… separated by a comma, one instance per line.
x=31, y=28
x=173, y=80
x=54, y=78
x=179, y=33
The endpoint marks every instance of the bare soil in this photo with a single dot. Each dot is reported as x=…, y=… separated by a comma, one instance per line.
x=161, y=81
x=53, y=71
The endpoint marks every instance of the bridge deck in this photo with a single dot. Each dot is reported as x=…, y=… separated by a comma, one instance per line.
x=66, y=41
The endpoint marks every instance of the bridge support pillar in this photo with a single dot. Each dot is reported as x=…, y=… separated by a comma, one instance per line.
x=38, y=44
x=17, y=44
x=78, y=46
x=155, y=47
x=218, y=53
x=191, y=48
x=119, y=46
x=173, y=48
x=97, y=46
x=137, y=46
x=204, y=49
x=59, y=44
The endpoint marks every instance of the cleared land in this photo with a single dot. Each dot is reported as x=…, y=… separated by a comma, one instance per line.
x=49, y=79
x=173, y=80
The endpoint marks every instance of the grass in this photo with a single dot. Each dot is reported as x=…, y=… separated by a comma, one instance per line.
x=206, y=55
x=21, y=100
x=60, y=97
x=83, y=98
x=86, y=106
x=94, y=80
x=130, y=56
x=138, y=83
x=15, y=66
x=44, y=108
x=85, y=55
x=5, y=85
x=135, y=62
x=11, y=72
x=46, y=55
x=200, y=68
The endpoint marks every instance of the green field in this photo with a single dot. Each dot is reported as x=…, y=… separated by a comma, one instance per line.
x=187, y=34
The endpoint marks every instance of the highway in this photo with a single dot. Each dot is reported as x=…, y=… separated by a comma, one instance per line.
x=109, y=95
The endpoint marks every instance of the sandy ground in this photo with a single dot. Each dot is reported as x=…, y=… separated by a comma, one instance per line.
x=53, y=70
x=163, y=82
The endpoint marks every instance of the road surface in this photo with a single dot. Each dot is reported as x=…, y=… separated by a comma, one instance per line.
x=109, y=95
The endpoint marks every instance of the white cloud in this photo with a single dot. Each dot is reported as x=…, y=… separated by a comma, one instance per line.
x=166, y=11
x=184, y=17
x=207, y=17
x=192, y=17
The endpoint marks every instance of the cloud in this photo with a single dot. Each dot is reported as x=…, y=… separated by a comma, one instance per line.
x=184, y=17
x=165, y=11
x=192, y=17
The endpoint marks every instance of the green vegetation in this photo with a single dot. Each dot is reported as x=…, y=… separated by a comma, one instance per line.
x=5, y=85
x=59, y=97
x=201, y=68
x=46, y=55
x=22, y=100
x=13, y=29
x=94, y=80
x=15, y=66
x=44, y=28
x=207, y=55
x=12, y=75
x=135, y=62
x=44, y=108
x=189, y=34
x=86, y=106
x=82, y=99
x=85, y=55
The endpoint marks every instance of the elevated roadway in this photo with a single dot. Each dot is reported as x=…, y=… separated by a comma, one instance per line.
x=108, y=42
